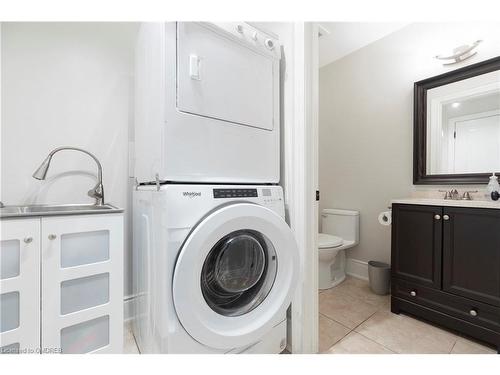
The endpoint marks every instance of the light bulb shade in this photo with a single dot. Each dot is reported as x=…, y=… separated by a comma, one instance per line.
x=41, y=172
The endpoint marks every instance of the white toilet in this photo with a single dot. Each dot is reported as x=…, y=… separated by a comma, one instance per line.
x=340, y=231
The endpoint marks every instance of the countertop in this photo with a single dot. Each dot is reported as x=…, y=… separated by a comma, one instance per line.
x=448, y=202
x=7, y=212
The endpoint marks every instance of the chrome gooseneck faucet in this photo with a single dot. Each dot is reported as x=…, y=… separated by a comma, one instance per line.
x=96, y=192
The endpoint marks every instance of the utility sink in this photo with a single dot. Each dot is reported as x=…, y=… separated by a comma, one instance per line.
x=52, y=210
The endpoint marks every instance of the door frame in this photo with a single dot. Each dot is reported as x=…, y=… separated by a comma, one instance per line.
x=301, y=169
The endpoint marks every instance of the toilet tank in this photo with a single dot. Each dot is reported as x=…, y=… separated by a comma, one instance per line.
x=341, y=223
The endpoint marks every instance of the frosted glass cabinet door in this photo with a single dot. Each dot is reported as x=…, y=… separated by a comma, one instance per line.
x=19, y=286
x=82, y=284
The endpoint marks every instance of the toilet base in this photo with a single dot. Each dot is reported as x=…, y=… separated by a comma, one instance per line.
x=332, y=274
x=332, y=284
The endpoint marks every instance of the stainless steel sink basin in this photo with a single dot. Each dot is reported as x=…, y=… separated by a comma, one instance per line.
x=64, y=209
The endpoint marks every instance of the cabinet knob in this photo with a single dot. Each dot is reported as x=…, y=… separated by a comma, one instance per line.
x=413, y=293
x=473, y=312
x=446, y=217
x=437, y=217
x=28, y=240
x=52, y=237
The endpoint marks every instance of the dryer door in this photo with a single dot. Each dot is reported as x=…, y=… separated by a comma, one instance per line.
x=226, y=75
x=235, y=276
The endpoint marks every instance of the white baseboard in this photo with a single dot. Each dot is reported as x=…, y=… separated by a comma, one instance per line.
x=357, y=268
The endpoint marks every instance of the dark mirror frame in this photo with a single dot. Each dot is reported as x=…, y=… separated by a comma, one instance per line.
x=420, y=176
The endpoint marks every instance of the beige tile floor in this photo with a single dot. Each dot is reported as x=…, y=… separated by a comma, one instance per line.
x=353, y=320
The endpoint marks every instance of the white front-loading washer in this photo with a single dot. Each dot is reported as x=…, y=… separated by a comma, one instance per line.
x=215, y=267
x=207, y=103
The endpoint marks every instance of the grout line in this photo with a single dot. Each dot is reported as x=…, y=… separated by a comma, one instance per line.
x=378, y=343
x=339, y=340
x=354, y=329
x=369, y=339
x=453, y=347
x=135, y=342
x=128, y=327
x=333, y=320
x=336, y=342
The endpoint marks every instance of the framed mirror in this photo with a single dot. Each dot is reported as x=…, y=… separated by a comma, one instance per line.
x=457, y=126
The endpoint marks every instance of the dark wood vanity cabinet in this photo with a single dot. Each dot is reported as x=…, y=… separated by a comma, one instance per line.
x=416, y=239
x=446, y=267
x=471, y=254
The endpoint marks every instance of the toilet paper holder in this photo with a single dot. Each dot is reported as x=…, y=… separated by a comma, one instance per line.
x=385, y=217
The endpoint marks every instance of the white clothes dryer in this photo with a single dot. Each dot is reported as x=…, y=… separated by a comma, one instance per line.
x=207, y=103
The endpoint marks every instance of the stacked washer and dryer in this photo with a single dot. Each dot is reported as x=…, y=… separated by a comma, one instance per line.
x=214, y=262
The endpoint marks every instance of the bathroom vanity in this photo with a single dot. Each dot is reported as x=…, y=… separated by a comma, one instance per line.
x=61, y=279
x=446, y=264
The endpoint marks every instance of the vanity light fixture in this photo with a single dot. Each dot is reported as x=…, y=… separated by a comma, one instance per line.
x=460, y=53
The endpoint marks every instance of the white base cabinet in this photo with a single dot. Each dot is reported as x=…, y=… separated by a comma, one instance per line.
x=67, y=295
x=20, y=286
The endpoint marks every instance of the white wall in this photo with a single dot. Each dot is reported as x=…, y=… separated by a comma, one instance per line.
x=366, y=120
x=66, y=84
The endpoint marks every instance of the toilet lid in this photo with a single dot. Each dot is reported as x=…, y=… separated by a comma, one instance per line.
x=327, y=241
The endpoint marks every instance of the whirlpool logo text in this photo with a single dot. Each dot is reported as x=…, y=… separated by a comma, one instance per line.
x=191, y=194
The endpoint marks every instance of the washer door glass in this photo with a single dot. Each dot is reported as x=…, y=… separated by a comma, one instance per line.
x=238, y=273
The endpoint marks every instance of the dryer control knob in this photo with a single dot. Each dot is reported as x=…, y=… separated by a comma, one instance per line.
x=255, y=35
x=239, y=28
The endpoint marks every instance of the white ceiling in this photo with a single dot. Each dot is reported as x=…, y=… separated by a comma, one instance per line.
x=347, y=37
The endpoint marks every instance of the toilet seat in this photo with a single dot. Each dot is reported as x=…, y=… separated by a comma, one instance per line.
x=327, y=241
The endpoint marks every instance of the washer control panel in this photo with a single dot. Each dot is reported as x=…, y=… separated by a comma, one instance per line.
x=192, y=200
x=271, y=196
x=266, y=194
x=235, y=193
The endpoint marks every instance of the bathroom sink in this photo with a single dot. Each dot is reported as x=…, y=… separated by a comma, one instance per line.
x=64, y=209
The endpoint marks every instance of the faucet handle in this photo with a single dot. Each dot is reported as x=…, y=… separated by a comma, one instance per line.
x=466, y=195
x=97, y=192
x=447, y=194
x=451, y=194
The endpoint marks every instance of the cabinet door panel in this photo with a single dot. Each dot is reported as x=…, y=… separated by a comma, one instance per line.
x=10, y=258
x=19, y=286
x=471, y=254
x=82, y=284
x=416, y=244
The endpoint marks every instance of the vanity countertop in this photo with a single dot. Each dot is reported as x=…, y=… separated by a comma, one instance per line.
x=448, y=202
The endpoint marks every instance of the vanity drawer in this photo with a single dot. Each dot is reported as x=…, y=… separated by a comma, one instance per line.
x=472, y=311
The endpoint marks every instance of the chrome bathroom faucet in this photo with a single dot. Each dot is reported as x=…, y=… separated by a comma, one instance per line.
x=97, y=192
x=453, y=194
